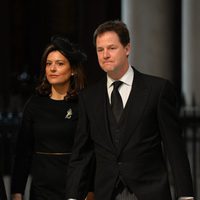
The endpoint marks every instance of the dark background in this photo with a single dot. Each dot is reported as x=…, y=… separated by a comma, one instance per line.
x=26, y=28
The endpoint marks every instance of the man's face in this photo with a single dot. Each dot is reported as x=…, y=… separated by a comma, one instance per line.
x=112, y=55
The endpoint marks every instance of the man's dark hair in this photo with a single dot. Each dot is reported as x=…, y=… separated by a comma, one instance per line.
x=116, y=26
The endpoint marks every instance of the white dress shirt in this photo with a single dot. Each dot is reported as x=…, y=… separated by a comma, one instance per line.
x=125, y=87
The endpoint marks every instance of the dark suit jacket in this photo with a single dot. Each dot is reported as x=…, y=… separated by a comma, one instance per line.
x=2, y=190
x=151, y=124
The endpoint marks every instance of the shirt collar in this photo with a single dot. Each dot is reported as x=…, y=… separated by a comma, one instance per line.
x=127, y=78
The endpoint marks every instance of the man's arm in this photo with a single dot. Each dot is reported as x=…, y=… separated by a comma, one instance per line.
x=82, y=158
x=174, y=147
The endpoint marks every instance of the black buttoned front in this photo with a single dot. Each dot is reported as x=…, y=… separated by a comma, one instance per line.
x=119, y=163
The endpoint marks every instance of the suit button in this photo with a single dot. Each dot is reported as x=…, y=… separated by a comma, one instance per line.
x=119, y=163
x=117, y=130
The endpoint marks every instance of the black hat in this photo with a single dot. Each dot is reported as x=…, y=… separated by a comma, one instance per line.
x=68, y=49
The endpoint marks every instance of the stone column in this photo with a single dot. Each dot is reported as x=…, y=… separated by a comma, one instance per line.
x=190, y=52
x=153, y=28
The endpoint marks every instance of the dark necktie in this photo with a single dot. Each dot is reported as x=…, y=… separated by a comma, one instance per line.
x=116, y=101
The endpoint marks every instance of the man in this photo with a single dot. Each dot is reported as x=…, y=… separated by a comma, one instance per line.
x=2, y=190
x=128, y=147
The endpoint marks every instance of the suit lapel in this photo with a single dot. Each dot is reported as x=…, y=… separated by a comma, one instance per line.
x=135, y=107
x=102, y=97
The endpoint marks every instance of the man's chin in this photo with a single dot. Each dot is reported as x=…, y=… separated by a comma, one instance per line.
x=109, y=69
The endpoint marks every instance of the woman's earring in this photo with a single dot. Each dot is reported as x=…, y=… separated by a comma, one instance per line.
x=44, y=78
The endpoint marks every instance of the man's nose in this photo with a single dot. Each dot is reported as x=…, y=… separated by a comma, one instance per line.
x=106, y=54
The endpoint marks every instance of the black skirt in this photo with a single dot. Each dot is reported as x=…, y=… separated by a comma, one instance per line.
x=49, y=177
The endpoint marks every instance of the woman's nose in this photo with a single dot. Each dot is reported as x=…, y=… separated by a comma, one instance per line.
x=53, y=67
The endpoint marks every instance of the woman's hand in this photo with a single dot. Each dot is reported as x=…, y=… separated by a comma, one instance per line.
x=17, y=196
x=90, y=196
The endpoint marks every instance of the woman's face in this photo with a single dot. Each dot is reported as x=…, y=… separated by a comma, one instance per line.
x=58, y=69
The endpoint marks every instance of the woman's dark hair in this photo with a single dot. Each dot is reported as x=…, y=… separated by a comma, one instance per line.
x=116, y=26
x=76, y=59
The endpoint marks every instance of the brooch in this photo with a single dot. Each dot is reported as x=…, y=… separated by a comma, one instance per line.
x=69, y=114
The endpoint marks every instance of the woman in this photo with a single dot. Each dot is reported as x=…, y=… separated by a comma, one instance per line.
x=49, y=121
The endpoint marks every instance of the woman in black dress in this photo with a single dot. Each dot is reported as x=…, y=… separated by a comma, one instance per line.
x=49, y=121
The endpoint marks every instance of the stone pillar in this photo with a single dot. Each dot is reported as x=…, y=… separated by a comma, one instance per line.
x=190, y=52
x=153, y=28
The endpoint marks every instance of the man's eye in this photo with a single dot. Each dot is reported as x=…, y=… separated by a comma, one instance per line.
x=99, y=50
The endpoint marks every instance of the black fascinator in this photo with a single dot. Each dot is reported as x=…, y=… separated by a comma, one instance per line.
x=68, y=49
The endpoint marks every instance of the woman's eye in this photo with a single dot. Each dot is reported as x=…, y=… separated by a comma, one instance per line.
x=60, y=64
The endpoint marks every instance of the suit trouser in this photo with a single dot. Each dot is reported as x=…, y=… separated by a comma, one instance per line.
x=126, y=195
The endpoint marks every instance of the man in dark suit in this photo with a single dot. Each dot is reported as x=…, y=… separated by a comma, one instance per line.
x=129, y=124
x=2, y=190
